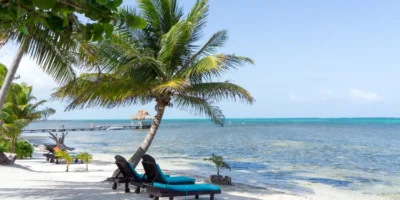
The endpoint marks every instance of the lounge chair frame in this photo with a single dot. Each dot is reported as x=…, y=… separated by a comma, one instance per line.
x=125, y=175
x=161, y=192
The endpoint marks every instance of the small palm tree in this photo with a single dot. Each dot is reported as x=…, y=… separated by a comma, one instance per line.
x=65, y=156
x=19, y=109
x=86, y=158
x=218, y=162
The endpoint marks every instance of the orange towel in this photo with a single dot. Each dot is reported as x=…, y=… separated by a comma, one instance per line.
x=56, y=149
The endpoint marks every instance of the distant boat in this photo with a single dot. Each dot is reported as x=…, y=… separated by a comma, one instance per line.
x=115, y=127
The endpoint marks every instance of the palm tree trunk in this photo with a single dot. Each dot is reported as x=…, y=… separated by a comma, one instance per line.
x=144, y=146
x=87, y=166
x=12, y=145
x=11, y=74
x=67, y=167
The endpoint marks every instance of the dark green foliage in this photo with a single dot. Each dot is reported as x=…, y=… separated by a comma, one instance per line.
x=23, y=149
x=61, y=16
x=4, y=145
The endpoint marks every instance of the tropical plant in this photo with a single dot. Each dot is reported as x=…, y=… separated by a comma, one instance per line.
x=219, y=162
x=65, y=156
x=49, y=30
x=18, y=111
x=4, y=145
x=23, y=149
x=86, y=158
x=162, y=63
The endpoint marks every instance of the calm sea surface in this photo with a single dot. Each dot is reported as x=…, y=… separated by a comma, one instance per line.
x=354, y=154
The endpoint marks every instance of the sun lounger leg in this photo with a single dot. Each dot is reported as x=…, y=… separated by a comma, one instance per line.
x=114, y=187
x=196, y=196
x=171, y=198
x=137, y=191
x=211, y=196
x=127, y=190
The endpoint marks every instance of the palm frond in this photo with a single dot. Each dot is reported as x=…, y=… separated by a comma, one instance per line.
x=217, y=91
x=199, y=106
x=197, y=17
x=174, y=86
x=91, y=90
x=173, y=44
x=214, y=66
x=51, y=51
x=216, y=41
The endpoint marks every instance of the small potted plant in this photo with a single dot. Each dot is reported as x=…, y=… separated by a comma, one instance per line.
x=65, y=156
x=86, y=158
x=219, y=164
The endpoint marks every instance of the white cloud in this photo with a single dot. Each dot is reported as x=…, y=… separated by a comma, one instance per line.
x=359, y=95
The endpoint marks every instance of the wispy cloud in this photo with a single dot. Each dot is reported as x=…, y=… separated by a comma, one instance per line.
x=359, y=95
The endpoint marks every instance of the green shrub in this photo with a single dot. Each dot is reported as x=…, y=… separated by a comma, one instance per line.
x=4, y=146
x=23, y=149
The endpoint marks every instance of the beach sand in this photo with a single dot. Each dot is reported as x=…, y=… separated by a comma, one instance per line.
x=38, y=179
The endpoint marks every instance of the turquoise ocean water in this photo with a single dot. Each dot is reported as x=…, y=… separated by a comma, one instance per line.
x=355, y=154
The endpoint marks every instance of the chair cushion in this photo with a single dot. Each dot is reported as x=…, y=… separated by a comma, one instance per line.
x=137, y=175
x=173, y=179
x=140, y=176
x=188, y=188
x=179, y=179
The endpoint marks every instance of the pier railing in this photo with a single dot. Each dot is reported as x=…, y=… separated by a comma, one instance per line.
x=102, y=128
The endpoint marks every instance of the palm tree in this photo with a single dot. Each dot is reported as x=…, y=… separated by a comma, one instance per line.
x=18, y=111
x=49, y=49
x=65, y=156
x=86, y=158
x=161, y=63
x=49, y=30
x=219, y=163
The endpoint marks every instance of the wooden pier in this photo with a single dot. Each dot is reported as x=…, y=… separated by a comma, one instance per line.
x=102, y=128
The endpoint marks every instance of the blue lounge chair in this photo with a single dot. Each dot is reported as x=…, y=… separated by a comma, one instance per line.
x=162, y=186
x=128, y=175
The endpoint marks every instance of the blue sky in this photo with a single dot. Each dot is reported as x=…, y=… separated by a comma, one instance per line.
x=313, y=59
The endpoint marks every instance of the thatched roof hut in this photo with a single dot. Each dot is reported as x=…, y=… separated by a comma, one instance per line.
x=141, y=115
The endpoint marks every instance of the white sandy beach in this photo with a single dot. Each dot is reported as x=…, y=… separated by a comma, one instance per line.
x=38, y=179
